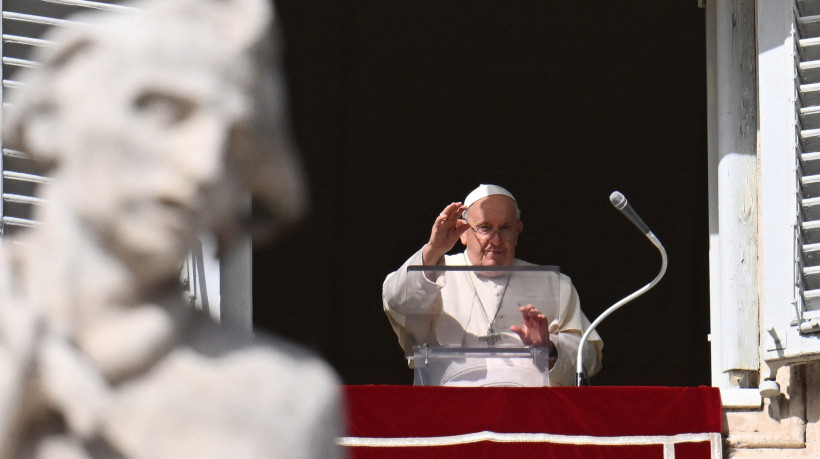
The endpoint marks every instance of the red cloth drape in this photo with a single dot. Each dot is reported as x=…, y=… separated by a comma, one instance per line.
x=620, y=416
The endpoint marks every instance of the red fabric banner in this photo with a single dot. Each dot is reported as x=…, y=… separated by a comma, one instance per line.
x=656, y=422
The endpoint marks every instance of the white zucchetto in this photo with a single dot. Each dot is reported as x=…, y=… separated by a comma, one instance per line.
x=486, y=190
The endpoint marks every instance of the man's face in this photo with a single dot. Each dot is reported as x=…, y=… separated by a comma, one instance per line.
x=496, y=216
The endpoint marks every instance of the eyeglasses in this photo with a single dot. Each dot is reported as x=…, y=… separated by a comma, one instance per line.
x=487, y=232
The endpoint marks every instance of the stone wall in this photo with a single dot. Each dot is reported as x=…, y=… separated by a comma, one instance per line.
x=784, y=427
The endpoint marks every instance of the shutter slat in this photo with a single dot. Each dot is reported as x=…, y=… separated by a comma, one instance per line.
x=22, y=199
x=811, y=209
x=810, y=94
x=810, y=163
x=809, y=71
x=811, y=298
x=90, y=4
x=33, y=178
x=808, y=8
x=810, y=231
x=35, y=19
x=16, y=62
x=811, y=276
x=20, y=222
x=810, y=185
x=14, y=153
x=810, y=117
x=20, y=40
x=809, y=25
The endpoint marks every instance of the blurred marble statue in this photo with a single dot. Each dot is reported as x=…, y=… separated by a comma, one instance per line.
x=153, y=124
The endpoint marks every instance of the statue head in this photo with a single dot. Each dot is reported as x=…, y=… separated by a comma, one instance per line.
x=160, y=122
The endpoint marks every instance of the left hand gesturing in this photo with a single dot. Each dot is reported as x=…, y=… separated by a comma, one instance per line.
x=534, y=331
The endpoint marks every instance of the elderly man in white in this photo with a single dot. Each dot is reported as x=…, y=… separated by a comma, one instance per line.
x=468, y=308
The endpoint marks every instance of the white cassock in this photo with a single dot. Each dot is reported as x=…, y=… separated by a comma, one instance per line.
x=463, y=308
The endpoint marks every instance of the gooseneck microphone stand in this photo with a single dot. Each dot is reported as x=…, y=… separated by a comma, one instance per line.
x=619, y=201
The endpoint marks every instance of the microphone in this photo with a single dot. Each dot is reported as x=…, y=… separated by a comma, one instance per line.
x=619, y=201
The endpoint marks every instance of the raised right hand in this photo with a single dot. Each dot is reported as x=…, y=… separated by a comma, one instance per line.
x=447, y=228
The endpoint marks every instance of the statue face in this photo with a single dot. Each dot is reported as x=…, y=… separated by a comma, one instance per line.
x=160, y=124
x=145, y=148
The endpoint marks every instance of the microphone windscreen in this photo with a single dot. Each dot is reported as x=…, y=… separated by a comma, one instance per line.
x=618, y=200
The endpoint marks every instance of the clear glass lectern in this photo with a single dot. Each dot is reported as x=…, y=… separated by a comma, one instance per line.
x=460, y=328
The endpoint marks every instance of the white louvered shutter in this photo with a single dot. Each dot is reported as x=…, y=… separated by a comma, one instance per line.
x=789, y=103
x=808, y=171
